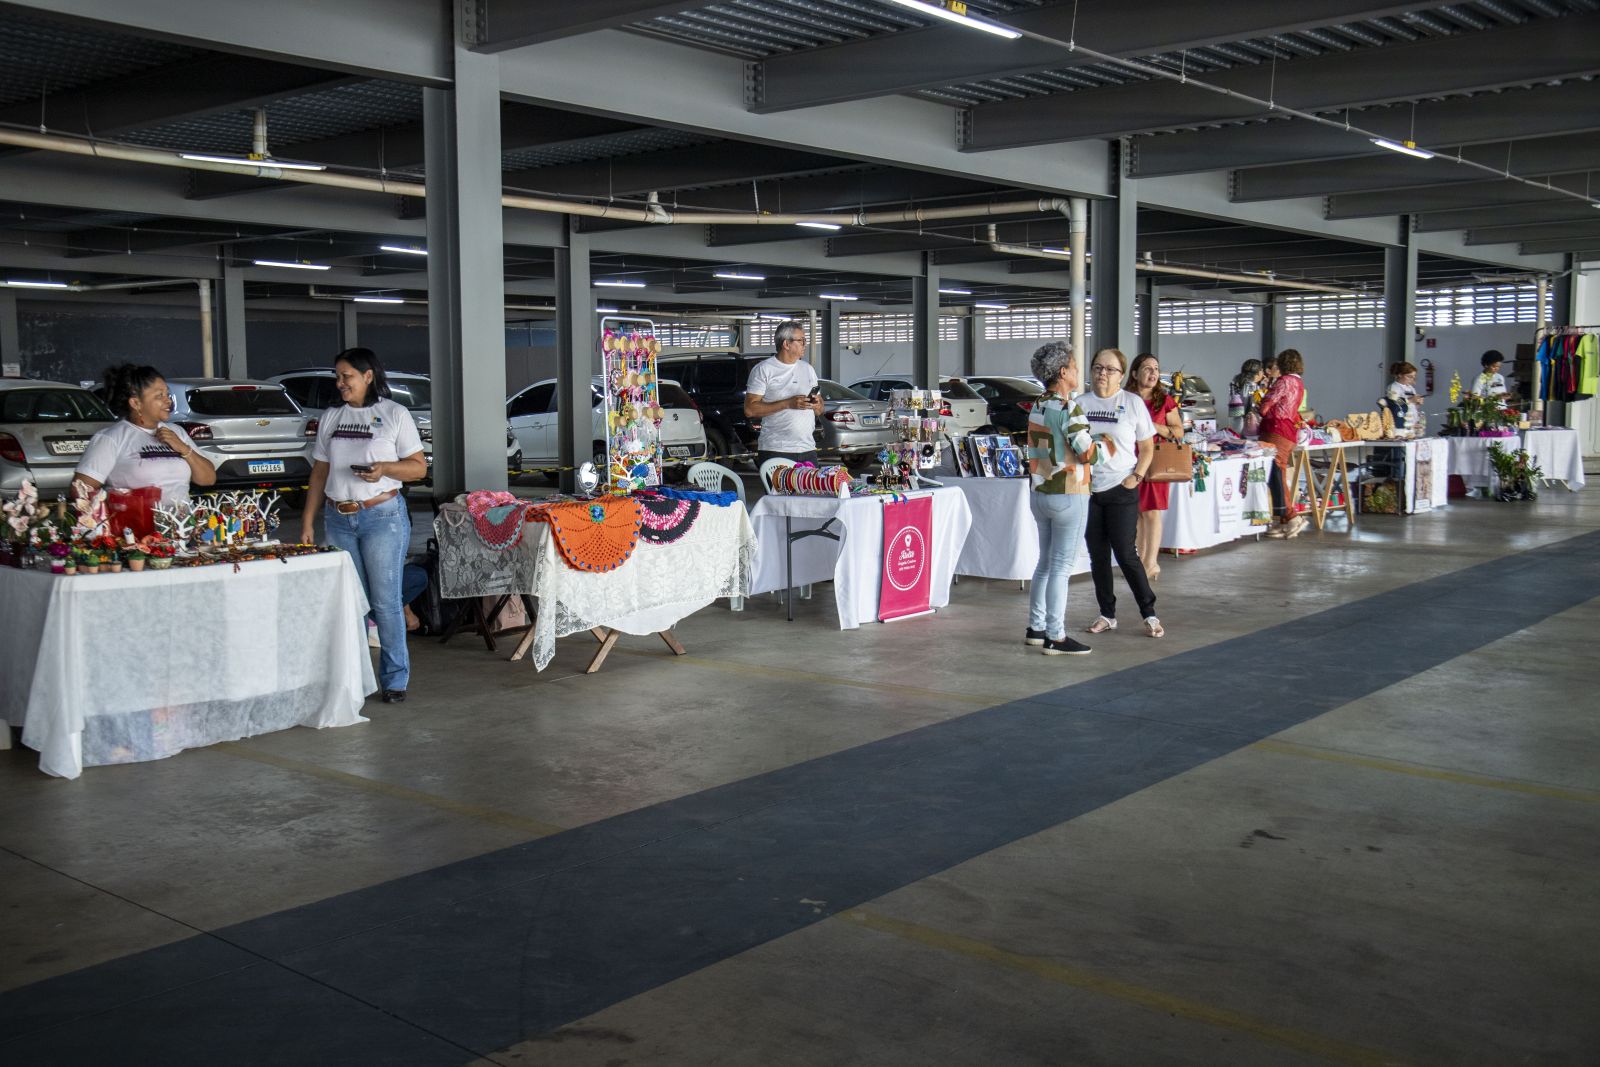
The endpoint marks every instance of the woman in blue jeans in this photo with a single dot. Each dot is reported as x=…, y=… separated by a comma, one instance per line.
x=1059, y=445
x=366, y=447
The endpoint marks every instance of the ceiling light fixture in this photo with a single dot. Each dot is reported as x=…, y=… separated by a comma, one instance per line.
x=956, y=292
x=403, y=250
x=240, y=162
x=836, y=296
x=820, y=225
x=291, y=265
x=38, y=285
x=956, y=12
x=1408, y=148
x=378, y=299
x=735, y=276
x=774, y=318
x=994, y=307
x=619, y=283
x=604, y=311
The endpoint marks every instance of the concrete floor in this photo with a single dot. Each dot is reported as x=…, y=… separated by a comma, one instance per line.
x=1405, y=873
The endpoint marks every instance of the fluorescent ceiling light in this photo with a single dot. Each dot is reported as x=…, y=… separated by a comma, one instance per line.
x=237, y=161
x=959, y=17
x=774, y=318
x=993, y=307
x=836, y=296
x=1408, y=148
x=379, y=299
x=735, y=276
x=39, y=285
x=604, y=311
x=620, y=283
x=819, y=225
x=1065, y=252
x=403, y=250
x=956, y=292
x=292, y=266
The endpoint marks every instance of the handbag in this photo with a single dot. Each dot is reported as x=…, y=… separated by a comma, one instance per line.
x=1173, y=462
x=1368, y=425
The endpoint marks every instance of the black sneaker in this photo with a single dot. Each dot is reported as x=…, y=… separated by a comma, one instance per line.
x=1034, y=637
x=1066, y=647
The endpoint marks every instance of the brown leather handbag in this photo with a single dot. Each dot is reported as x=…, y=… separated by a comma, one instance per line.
x=1173, y=462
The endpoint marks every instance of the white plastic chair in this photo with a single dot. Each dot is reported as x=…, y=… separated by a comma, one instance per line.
x=710, y=477
x=771, y=465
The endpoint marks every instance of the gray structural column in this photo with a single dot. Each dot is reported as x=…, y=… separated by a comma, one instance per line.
x=1149, y=316
x=1113, y=233
x=925, y=325
x=349, y=327
x=827, y=342
x=971, y=334
x=10, y=337
x=231, y=323
x=466, y=276
x=1269, y=328
x=1400, y=296
x=575, y=347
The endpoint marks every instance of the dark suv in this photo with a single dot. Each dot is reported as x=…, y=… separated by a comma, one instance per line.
x=716, y=381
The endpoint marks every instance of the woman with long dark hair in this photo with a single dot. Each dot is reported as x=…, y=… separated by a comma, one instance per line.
x=143, y=449
x=1145, y=377
x=367, y=445
x=1280, y=428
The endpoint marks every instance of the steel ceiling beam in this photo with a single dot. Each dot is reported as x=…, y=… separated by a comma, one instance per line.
x=838, y=191
x=943, y=55
x=1564, y=210
x=156, y=236
x=1487, y=194
x=1486, y=59
x=1586, y=250
x=1572, y=107
x=1583, y=233
x=673, y=168
x=1526, y=159
x=505, y=24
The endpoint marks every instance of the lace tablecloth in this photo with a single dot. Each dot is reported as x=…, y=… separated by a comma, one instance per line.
x=122, y=668
x=658, y=585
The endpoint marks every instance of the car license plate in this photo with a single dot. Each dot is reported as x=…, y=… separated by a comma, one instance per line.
x=72, y=447
x=871, y=420
x=265, y=466
x=678, y=450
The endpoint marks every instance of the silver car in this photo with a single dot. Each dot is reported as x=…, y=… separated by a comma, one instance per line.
x=852, y=427
x=253, y=432
x=44, y=428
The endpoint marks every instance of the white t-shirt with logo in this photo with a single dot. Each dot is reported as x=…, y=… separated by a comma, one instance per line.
x=126, y=456
x=789, y=430
x=380, y=433
x=1118, y=422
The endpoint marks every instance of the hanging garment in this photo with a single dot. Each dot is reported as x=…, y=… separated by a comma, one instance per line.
x=1588, y=365
x=1545, y=357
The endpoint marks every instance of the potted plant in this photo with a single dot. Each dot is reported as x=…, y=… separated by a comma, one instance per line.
x=1517, y=473
x=135, y=558
x=88, y=560
x=60, y=556
x=159, y=550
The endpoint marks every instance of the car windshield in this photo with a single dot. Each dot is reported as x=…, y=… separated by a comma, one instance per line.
x=835, y=391
x=51, y=405
x=241, y=401
x=1195, y=384
x=1004, y=389
x=673, y=396
x=414, y=394
x=954, y=390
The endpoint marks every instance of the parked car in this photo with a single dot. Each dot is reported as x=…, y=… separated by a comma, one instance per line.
x=44, y=428
x=1010, y=399
x=534, y=413
x=716, y=381
x=313, y=388
x=852, y=428
x=965, y=411
x=253, y=431
x=1197, y=400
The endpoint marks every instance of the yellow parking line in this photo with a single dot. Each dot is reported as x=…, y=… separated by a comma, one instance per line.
x=1438, y=774
x=532, y=827
x=1303, y=1041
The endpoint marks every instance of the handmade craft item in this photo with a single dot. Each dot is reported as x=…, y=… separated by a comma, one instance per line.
x=809, y=481
x=593, y=535
x=497, y=518
x=633, y=411
x=663, y=520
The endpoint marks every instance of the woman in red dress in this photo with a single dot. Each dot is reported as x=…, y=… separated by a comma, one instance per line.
x=1145, y=377
x=1280, y=428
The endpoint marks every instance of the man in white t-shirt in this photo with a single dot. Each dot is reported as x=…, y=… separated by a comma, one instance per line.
x=782, y=392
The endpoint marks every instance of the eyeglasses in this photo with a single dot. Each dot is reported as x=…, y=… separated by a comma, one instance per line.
x=1106, y=368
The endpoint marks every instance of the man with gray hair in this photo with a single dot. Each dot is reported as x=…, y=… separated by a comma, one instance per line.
x=782, y=392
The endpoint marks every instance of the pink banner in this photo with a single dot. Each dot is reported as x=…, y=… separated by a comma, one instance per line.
x=907, y=558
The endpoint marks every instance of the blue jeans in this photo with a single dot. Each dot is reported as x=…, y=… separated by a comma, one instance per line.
x=1061, y=519
x=378, y=539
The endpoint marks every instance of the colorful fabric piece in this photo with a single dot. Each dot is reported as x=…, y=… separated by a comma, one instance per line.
x=497, y=518
x=722, y=500
x=663, y=520
x=594, y=535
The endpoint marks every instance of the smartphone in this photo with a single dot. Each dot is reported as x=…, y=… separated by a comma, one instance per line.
x=361, y=468
x=815, y=392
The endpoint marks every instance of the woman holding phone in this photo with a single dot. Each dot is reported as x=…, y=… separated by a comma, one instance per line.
x=366, y=447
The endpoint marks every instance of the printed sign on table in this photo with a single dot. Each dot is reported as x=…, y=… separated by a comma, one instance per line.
x=1230, y=490
x=907, y=558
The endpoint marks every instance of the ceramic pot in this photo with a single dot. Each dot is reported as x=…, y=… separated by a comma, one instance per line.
x=136, y=564
x=160, y=563
x=112, y=568
x=69, y=569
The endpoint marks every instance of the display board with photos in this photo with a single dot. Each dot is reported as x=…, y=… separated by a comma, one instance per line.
x=980, y=455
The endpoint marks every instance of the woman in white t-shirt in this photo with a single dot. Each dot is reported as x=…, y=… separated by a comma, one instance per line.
x=1124, y=445
x=1401, y=396
x=142, y=450
x=366, y=447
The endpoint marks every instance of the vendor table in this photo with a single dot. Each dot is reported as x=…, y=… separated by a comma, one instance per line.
x=1469, y=458
x=1555, y=449
x=1426, y=466
x=852, y=560
x=1321, y=495
x=1230, y=506
x=655, y=588
x=122, y=668
x=1003, y=541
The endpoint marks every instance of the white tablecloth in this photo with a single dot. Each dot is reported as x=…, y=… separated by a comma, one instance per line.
x=1427, y=461
x=1557, y=453
x=852, y=563
x=1469, y=458
x=657, y=587
x=1003, y=541
x=122, y=668
x=1226, y=510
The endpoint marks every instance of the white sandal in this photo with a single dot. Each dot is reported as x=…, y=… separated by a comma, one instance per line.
x=1153, y=627
x=1101, y=624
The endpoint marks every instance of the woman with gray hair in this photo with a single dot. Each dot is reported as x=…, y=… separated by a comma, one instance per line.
x=1058, y=448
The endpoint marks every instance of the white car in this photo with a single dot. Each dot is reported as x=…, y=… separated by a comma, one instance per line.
x=314, y=390
x=533, y=415
x=968, y=412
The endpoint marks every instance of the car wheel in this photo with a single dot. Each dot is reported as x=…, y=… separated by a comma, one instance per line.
x=716, y=446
